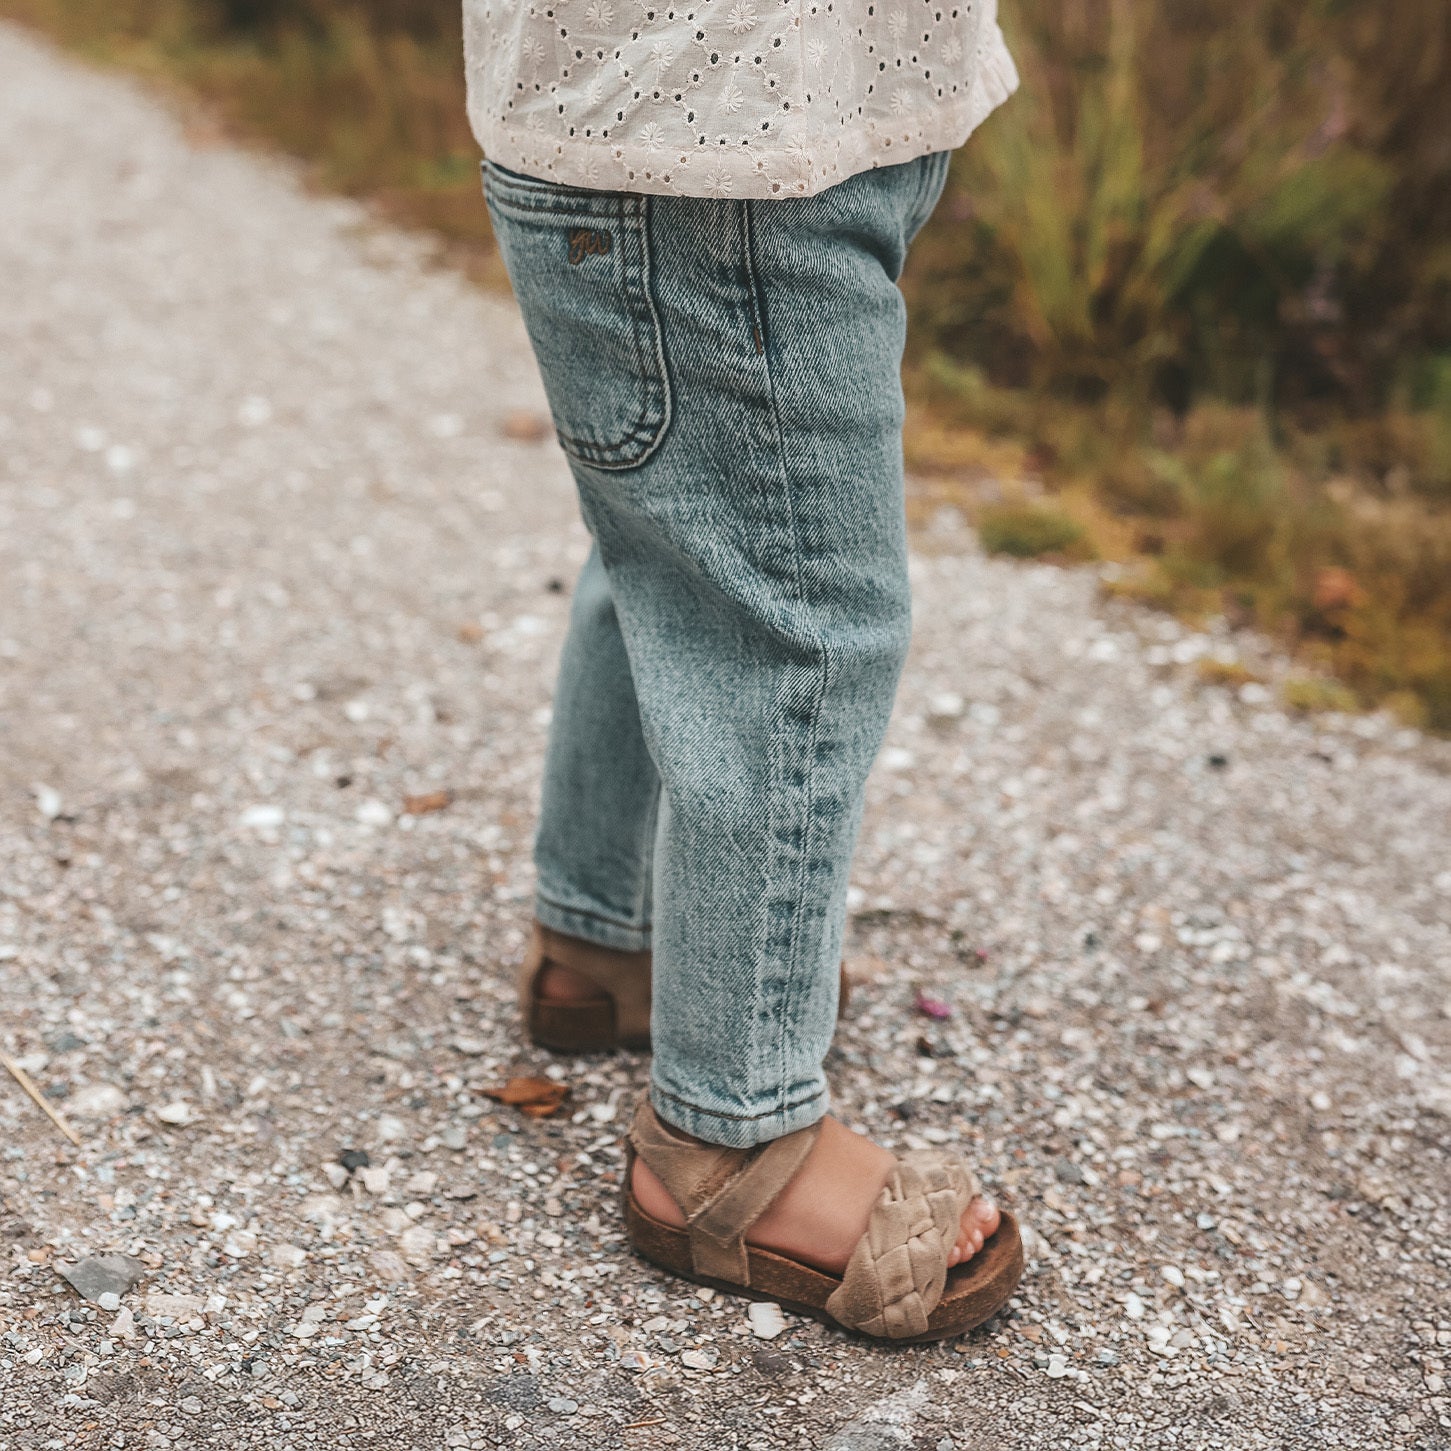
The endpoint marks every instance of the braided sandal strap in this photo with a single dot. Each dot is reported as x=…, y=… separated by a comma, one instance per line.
x=721, y=1191
x=898, y=1270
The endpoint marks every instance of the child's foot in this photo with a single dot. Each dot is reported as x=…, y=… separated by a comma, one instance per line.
x=822, y=1212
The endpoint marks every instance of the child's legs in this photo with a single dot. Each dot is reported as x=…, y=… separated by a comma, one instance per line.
x=756, y=555
x=595, y=844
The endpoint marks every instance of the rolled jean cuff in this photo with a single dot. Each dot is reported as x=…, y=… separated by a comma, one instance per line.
x=736, y=1130
x=592, y=926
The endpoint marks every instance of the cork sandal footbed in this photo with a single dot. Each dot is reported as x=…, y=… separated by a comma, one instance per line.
x=579, y=1027
x=974, y=1292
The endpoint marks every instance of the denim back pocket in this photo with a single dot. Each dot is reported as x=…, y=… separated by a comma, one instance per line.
x=579, y=262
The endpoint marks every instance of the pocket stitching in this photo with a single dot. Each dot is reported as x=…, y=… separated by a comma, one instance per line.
x=644, y=435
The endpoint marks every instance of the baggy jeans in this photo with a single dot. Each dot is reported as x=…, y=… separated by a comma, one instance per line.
x=725, y=380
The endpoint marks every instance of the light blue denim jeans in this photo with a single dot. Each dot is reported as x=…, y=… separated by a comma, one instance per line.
x=725, y=379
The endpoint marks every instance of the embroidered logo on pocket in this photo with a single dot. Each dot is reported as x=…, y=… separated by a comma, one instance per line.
x=584, y=242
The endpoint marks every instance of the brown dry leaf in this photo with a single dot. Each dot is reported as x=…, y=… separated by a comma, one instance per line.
x=538, y=1097
x=470, y=632
x=1336, y=589
x=525, y=426
x=429, y=801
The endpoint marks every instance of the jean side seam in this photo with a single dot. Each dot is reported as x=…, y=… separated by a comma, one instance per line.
x=819, y=696
x=646, y=855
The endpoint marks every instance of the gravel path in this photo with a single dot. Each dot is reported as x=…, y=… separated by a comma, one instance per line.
x=271, y=563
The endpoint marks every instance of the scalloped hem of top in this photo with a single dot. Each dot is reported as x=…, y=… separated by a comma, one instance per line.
x=743, y=172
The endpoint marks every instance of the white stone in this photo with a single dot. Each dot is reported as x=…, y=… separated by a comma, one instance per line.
x=253, y=411
x=375, y=1179
x=417, y=1243
x=179, y=1308
x=96, y=1100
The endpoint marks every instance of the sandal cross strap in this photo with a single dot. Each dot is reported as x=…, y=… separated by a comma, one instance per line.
x=721, y=1192
x=897, y=1284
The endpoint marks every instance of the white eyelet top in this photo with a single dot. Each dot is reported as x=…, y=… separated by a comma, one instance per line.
x=738, y=98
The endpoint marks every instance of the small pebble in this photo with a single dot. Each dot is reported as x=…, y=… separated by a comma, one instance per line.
x=373, y=813
x=98, y=1275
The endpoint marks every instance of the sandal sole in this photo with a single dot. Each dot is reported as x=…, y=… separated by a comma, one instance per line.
x=563, y=1027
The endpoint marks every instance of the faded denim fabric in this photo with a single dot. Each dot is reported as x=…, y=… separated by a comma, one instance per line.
x=725, y=380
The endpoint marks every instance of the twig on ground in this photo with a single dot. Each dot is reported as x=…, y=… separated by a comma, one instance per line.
x=28, y=1084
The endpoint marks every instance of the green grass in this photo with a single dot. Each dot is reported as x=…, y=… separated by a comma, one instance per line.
x=1315, y=694
x=1030, y=531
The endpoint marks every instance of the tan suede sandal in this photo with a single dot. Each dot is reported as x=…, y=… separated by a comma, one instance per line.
x=590, y=1026
x=897, y=1284
x=593, y=1026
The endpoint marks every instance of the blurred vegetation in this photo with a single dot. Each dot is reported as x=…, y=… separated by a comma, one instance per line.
x=1199, y=268
x=1029, y=530
x=1186, y=303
